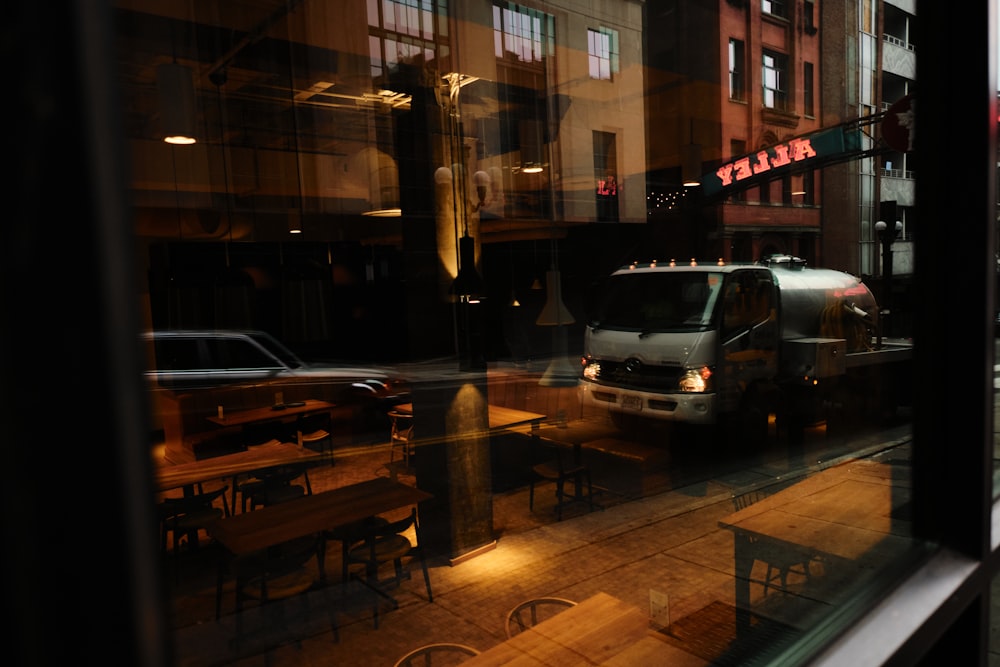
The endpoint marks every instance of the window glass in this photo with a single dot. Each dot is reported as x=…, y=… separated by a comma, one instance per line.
x=737, y=66
x=773, y=7
x=774, y=79
x=514, y=230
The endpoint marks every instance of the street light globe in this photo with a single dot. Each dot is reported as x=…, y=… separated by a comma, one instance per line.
x=880, y=226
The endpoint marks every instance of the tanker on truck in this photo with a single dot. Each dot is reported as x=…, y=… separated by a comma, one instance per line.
x=702, y=344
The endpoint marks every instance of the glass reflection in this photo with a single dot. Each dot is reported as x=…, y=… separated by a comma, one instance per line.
x=371, y=183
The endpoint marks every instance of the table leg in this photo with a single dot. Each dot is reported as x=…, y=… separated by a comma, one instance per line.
x=578, y=478
x=743, y=566
x=233, y=502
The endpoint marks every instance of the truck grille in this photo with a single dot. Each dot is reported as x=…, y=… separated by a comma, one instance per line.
x=631, y=374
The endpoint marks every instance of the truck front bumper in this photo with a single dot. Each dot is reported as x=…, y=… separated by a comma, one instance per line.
x=677, y=407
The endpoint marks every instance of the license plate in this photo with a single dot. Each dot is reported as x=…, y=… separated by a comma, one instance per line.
x=632, y=402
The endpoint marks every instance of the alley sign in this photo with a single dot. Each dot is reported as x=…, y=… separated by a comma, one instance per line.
x=811, y=150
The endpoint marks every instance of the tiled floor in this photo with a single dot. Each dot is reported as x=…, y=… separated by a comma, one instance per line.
x=665, y=547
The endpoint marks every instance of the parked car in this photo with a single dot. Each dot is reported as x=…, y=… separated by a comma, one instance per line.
x=201, y=367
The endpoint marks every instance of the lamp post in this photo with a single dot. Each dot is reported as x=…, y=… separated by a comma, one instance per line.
x=886, y=235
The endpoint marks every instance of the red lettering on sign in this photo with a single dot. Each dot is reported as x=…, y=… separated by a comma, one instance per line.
x=801, y=149
x=762, y=163
x=725, y=174
x=784, y=154
x=780, y=158
x=742, y=168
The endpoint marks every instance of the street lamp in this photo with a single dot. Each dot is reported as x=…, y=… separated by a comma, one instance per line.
x=886, y=236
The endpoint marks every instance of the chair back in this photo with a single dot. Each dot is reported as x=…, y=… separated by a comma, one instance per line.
x=532, y=612
x=748, y=498
x=440, y=654
x=402, y=425
x=200, y=504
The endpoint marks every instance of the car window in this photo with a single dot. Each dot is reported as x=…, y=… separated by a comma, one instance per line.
x=177, y=354
x=239, y=353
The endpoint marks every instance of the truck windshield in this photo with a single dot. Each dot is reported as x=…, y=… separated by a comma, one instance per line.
x=650, y=302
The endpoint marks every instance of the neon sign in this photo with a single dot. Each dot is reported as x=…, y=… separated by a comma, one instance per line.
x=772, y=162
x=795, y=150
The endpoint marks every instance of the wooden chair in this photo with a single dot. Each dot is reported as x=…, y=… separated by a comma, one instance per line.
x=780, y=561
x=383, y=544
x=531, y=612
x=440, y=655
x=400, y=438
x=556, y=470
x=281, y=573
x=350, y=536
x=316, y=432
x=185, y=516
x=273, y=487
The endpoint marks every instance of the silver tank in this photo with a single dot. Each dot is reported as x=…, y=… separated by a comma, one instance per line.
x=806, y=293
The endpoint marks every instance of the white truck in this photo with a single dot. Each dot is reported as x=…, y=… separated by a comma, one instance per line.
x=695, y=344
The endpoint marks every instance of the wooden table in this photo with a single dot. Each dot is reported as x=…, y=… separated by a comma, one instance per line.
x=591, y=633
x=272, y=413
x=251, y=532
x=247, y=533
x=500, y=418
x=254, y=459
x=847, y=514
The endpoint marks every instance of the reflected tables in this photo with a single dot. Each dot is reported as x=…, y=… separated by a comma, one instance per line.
x=254, y=459
x=593, y=632
x=500, y=418
x=250, y=533
x=849, y=515
x=283, y=412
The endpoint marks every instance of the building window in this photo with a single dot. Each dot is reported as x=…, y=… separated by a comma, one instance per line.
x=809, y=16
x=399, y=31
x=602, y=50
x=737, y=70
x=522, y=33
x=774, y=8
x=808, y=107
x=606, y=176
x=775, y=74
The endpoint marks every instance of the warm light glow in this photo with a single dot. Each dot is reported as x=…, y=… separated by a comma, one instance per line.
x=180, y=140
x=384, y=213
x=534, y=169
x=720, y=262
x=693, y=262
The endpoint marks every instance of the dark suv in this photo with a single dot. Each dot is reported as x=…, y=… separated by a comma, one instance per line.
x=219, y=362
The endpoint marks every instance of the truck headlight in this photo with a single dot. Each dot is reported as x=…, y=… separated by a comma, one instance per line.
x=695, y=380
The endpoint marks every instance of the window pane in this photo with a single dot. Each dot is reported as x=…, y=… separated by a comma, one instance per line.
x=470, y=226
